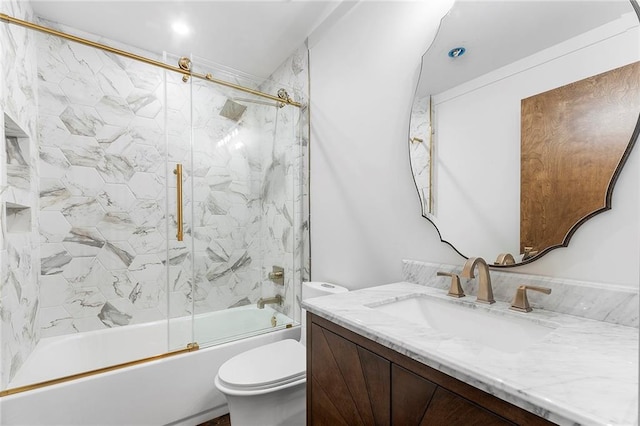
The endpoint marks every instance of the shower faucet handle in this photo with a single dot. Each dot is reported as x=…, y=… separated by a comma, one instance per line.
x=277, y=276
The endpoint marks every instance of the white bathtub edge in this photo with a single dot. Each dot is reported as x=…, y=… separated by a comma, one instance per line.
x=176, y=390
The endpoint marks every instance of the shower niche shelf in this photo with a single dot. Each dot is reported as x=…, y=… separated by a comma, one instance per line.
x=18, y=218
x=17, y=211
x=17, y=155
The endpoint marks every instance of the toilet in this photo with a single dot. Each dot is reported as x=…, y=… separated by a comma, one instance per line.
x=267, y=385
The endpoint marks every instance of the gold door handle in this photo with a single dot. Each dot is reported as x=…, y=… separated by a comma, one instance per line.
x=178, y=173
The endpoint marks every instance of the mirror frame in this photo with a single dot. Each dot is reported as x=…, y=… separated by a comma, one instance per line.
x=565, y=243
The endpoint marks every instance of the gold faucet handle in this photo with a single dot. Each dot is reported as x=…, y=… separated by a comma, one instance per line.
x=520, y=302
x=455, y=289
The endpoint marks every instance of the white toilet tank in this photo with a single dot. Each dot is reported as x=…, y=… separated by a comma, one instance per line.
x=311, y=289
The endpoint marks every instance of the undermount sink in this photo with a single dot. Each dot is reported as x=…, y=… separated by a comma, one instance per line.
x=504, y=333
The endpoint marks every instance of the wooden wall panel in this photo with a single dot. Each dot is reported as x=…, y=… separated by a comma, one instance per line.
x=572, y=140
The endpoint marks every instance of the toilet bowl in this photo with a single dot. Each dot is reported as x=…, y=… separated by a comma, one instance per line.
x=267, y=385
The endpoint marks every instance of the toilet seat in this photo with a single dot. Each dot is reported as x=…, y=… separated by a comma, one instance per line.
x=264, y=369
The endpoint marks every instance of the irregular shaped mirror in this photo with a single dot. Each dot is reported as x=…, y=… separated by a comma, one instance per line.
x=523, y=118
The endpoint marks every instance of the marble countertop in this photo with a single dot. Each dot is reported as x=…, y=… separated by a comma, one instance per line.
x=583, y=371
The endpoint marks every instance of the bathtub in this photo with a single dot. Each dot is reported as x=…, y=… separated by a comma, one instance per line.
x=176, y=390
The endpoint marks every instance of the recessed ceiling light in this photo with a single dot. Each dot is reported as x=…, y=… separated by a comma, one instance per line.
x=456, y=52
x=180, y=28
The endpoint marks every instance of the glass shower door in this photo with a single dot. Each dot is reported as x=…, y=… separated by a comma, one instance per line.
x=99, y=215
x=128, y=152
x=241, y=206
x=179, y=231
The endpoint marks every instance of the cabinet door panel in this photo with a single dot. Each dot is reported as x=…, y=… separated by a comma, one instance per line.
x=449, y=409
x=377, y=375
x=355, y=381
x=410, y=396
x=323, y=409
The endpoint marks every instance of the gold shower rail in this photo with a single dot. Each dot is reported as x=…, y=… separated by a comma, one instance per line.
x=189, y=73
x=191, y=347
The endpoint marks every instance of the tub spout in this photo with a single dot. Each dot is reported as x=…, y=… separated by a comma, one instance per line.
x=264, y=301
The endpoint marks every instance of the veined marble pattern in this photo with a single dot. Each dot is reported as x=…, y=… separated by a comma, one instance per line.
x=102, y=188
x=285, y=184
x=101, y=191
x=19, y=248
x=19, y=47
x=597, y=301
x=219, y=205
x=18, y=162
x=419, y=152
x=110, y=140
x=581, y=372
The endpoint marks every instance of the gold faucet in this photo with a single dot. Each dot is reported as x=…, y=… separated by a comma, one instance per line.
x=268, y=300
x=505, y=259
x=485, y=292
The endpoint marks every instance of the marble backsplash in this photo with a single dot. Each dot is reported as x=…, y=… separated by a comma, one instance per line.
x=597, y=301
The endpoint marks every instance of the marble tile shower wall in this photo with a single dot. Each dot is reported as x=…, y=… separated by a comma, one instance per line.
x=106, y=217
x=105, y=214
x=285, y=184
x=19, y=240
x=235, y=184
x=102, y=188
x=222, y=210
x=419, y=152
x=100, y=214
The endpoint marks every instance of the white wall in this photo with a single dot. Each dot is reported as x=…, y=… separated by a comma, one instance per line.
x=365, y=212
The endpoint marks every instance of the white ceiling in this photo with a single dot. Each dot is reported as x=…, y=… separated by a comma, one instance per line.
x=497, y=33
x=254, y=37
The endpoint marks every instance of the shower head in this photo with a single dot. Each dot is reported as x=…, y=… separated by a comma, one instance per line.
x=232, y=110
x=256, y=101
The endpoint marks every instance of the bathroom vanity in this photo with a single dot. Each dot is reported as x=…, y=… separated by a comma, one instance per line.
x=373, y=384
x=407, y=354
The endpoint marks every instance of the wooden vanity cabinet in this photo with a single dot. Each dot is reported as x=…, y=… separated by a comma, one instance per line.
x=352, y=380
